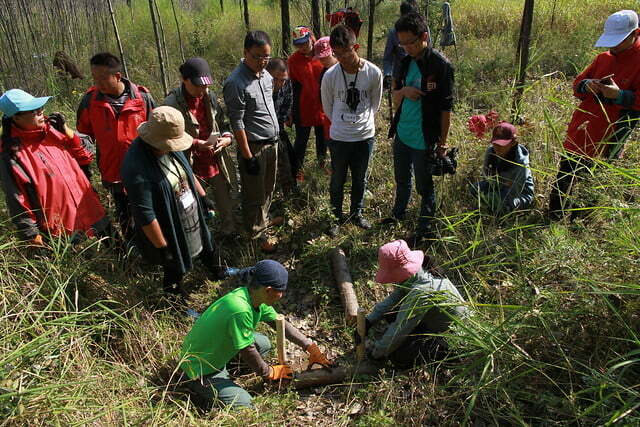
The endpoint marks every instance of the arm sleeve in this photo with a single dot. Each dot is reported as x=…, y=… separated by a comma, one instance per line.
x=235, y=101
x=293, y=334
x=251, y=357
x=387, y=58
x=83, y=123
x=446, y=86
x=149, y=103
x=520, y=194
x=240, y=330
x=17, y=203
x=221, y=118
x=141, y=201
x=386, y=305
x=326, y=92
x=412, y=311
x=77, y=150
x=287, y=98
x=579, y=83
x=376, y=91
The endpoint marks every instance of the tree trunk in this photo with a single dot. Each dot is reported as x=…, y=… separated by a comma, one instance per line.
x=344, y=283
x=286, y=27
x=522, y=57
x=245, y=5
x=163, y=73
x=115, y=30
x=372, y=11
x=222, y=7
x=315, y=17
x=175, y=16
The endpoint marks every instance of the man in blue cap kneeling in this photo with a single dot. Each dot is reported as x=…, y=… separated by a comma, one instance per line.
x=227, y=328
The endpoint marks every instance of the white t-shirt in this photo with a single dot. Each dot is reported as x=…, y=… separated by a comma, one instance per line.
x=347, y=124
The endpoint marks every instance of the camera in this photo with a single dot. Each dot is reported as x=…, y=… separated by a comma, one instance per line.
x=439, y=166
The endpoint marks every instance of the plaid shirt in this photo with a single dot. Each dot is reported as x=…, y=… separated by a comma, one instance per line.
x=282, y=101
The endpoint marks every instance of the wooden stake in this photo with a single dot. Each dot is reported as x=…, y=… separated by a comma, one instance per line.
x=362, y=332
x=245, y=6
x=158, y=47
x=280, y=339
x=372, y=11
x=522, y=56
x=115, y=30
x=342, y=277
x=315, y=18
x=286, y=27
x=175, y=16
x=317, y=377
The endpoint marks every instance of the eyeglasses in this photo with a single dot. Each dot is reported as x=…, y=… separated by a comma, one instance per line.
x=35, y=112
x=411, y=42
x=262, y=58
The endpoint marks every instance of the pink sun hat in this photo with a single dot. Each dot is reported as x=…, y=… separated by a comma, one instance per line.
x=396, y=262
x=322, y=48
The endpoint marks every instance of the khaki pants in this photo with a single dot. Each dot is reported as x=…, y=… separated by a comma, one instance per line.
x=225, y=204
x=257, y=190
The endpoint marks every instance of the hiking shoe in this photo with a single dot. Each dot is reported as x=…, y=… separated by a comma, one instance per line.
x=390, y=220
x=418, y=239
x=300, y=176
x=361, y=222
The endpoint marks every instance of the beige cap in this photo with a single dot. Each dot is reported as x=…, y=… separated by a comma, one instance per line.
x=164, y=131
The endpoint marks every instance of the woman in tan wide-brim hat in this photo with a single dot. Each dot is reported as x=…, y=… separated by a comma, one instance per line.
x=168, y=204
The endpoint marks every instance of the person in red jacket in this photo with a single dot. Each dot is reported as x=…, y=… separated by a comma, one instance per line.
x=110, y=113
x=609, y=94
x=306, y=111
x=46, y=190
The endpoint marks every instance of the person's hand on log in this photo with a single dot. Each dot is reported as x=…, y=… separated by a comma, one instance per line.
x=280, y=372
x=317, y=357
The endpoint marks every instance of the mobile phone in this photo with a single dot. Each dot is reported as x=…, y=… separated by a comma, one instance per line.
x=606, y=80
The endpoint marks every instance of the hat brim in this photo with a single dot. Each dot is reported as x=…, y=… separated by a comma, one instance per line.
x=502, y=142
x=401, y=273
x=201, y=80
x=302, y=40
x=33, y=104
x=612, y=40
x=175, y=144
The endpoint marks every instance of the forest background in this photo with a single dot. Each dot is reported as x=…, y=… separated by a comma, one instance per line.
x=85, y=336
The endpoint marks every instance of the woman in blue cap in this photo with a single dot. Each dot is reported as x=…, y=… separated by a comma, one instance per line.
x=227, y=328
x=41, y=163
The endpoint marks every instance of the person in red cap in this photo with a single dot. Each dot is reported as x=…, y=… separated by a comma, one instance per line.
x=306, y=111
x=420, y=306
x=205, y=121
x=322, y=52
x=110, y=113
x=508, y=183
x=609, y=94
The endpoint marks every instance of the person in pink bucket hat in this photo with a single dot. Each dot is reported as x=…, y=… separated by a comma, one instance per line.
x=418, y=311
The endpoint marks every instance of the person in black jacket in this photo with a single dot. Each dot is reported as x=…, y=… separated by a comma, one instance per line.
x=424, y=95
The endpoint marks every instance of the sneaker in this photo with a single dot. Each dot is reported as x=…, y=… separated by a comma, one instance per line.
x=417, y=239
x=300, y=176
x=267, y=247
x=361, y=222
x=390, y=220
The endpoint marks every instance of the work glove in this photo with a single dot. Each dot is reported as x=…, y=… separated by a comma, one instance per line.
x=37, y=241
x=57, y=121
x=252, y=165
x=280, y=372
x=317, y=357
x=209, y=207
x=356, y=335
x=386, y=83
x=167, y=256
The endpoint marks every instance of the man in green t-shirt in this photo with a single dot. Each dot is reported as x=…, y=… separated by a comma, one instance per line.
x=227, y=328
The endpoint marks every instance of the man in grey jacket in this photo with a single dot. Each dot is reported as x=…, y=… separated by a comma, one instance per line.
x=418, y=311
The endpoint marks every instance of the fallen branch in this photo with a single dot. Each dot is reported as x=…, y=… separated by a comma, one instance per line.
x=343, y=279
x=317, y=377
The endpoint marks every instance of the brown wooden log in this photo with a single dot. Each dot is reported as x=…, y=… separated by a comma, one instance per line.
x=280, y=340
x=343, y=279
x=318, y=377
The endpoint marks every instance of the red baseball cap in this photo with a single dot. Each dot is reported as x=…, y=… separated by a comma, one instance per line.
x=503, y=134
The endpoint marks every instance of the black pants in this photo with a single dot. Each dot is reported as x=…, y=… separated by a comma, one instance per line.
x=172, y=281
x=302, y=138
x=570, y=171
x=123, y=211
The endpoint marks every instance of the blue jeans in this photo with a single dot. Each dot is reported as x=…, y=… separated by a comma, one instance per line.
x=354, y=156
x=405, y=161
x=220, y=387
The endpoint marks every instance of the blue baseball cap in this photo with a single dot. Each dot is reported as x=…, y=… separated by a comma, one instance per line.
x=16, y=100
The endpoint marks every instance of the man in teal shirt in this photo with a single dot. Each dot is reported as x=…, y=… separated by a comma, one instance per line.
x=423, y=90
x=227, y=328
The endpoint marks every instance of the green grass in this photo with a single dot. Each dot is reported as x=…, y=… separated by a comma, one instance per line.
x=86, y=338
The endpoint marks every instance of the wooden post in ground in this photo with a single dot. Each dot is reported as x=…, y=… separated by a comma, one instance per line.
x=361, y=326
x=372, y=10
x=245, y=6
x=163, y=73
x=280, y=340
x=342, y=277
x=522, y=58
x=175, y=16
x=286, y=27
x=315, y=18
x=117, y=33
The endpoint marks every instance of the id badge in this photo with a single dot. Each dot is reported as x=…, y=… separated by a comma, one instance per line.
x=187, y=199
x=350, y=117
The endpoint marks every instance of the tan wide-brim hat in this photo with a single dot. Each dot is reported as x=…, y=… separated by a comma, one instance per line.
x=164, y=131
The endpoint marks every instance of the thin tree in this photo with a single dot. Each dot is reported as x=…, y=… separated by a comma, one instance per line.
x=117, y=33
x=175, y=16
x=315, y=17
x=162, y=37
x=372, y=11
x=163, y=73
x=222, y=7
x=522, y=56
x=245, y=4
x=286, y=27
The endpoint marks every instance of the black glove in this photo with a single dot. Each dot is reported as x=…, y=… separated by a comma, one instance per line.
x=57, y=121
x=208, y=203
x=87, y=171
x=252, y=165
x=386, y=83
x=356, y=335
x=167, y=256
